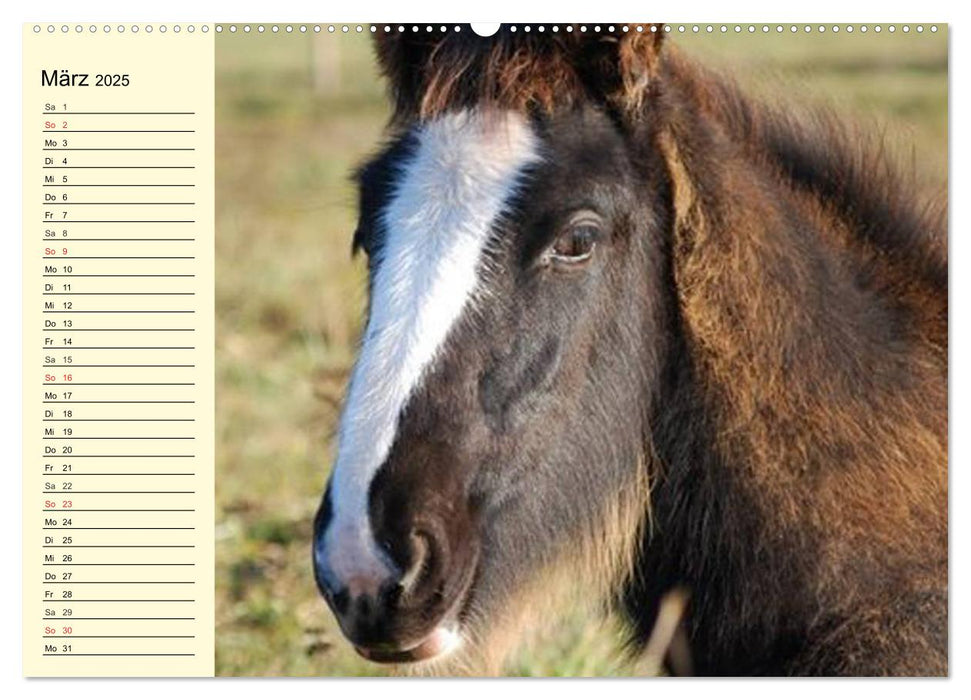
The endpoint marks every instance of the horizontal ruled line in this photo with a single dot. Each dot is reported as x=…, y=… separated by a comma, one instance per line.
x=115, y=311
x=65, y=655
x=118, y=149
x=126, y=204
x=72, y=238
x=118, y=167
x=56, y=113
x=125, y=583
x=119, y=510
x=119, y=420
x=111, y=184
x=71, y=653
x=127, y=600
x=119, y=131
x=68, y=566
x=68, y=654
x=121, y=330
x=72, y=491
x=119, y=294
x=117, y=347
x=130, y=474
x=111, y=636
x=122, y=311
x=126, y=456
x=119, y=546
x=121, y=366
x=115, y=437
x=144, y=275
x=72, y=401
x=119, y=528
x=114, y=383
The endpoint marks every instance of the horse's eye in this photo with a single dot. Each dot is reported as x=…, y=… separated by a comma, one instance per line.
x=576, y=243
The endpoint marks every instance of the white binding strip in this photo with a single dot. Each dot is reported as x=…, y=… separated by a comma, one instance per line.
x=464, y=171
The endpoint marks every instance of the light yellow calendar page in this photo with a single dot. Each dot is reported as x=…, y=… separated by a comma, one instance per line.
x=118, y=336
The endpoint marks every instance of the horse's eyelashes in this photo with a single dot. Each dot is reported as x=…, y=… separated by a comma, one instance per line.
x=575, y=244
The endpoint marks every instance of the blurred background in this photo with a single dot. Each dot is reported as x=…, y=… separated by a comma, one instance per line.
x=295, y=113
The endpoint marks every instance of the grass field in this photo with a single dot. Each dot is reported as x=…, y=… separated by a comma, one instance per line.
x=289, y=301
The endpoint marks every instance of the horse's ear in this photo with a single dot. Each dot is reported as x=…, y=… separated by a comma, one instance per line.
x=402, y=57
x=617, y=66
x=623, y=66
x=638, y=60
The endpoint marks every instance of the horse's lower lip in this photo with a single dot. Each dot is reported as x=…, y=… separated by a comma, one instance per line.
x=442, y=640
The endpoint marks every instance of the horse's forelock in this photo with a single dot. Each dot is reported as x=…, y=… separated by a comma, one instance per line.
x=430, y=74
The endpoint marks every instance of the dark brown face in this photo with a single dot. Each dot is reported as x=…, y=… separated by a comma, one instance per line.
x=500, y=392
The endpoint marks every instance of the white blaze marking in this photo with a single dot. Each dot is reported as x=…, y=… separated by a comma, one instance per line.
x=449, y=194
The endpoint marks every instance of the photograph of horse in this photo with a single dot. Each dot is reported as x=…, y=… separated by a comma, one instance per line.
x=635, y=330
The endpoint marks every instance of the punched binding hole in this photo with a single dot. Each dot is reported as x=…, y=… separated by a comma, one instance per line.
x=485, y=28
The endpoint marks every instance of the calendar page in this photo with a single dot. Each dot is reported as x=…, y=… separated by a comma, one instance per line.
x=485, y=350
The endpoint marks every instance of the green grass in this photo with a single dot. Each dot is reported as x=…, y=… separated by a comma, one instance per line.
x=289, y=301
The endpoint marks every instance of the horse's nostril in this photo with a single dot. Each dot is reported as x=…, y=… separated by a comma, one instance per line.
x=418, y=566
x=340, y=600
x=364, y=607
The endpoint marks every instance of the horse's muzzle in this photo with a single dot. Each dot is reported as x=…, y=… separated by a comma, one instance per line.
x=402, y=617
